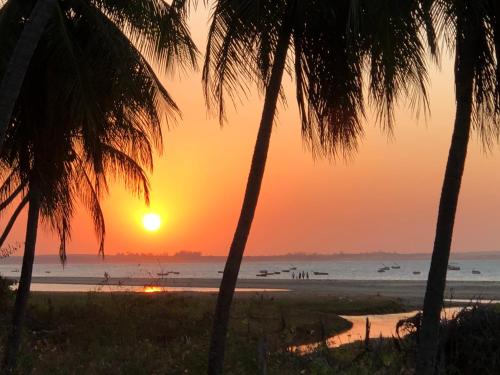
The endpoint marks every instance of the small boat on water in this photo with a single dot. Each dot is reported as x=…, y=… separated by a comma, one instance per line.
x=395, y=266
x=277, y=273
x=320, y=273
x=285, y=270
x=220, y=271
x=263, y=271
x=476, y=272
x=380, y=270
x=417, y=272
x=162, y=273
x=174, y=272
x=452, y=267
x=261, y=274
x=293, y=268
x=47, y=271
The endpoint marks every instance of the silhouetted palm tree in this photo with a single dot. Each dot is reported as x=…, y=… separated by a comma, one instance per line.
x=326, y=44
x=89, y=110
x=13, y=77
x=472, y=27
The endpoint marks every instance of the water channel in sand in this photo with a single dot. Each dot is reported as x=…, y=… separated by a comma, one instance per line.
x=383, y=325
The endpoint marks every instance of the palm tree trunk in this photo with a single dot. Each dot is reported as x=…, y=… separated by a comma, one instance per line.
x=13, y=79
x=232, y=268
x=13, y=341
x=436, y=282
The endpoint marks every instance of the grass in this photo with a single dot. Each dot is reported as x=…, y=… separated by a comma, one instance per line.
x=126, y=333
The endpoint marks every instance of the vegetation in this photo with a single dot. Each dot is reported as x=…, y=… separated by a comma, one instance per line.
x=98, y=116
x=472, y=28
x=80, y=103
x=121, y=333
x=328, y=44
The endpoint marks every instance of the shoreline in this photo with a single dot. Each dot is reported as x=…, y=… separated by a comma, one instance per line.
x=409, y=290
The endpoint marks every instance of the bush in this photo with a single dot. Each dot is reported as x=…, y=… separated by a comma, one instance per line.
x=470, y=341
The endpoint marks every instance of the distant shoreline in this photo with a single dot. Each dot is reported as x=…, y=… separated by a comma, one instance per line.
x=194, y=257
x=410, y=291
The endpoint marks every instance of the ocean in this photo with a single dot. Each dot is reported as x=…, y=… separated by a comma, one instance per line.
x=335, y=270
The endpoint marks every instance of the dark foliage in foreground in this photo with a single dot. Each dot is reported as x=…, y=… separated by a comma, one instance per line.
x=470, y=341
x=104, y=333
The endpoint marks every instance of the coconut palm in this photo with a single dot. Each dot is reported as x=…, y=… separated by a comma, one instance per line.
x=89, y=111
x=13, y=78
x=471, y=27
x=325, y=45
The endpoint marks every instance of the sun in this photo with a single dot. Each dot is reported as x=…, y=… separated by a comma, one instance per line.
x=151, y=222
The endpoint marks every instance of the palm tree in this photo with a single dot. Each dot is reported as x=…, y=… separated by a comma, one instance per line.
x=89, y=110
x=472, y=28
x=327, y=44
x=13, y=77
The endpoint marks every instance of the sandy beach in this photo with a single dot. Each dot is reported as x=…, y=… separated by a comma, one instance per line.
x=410, y=291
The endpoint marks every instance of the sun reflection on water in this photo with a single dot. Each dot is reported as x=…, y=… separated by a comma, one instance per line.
x=152, y=289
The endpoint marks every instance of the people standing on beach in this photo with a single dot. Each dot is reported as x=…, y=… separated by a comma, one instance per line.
x=307, y=274
x=293, y=275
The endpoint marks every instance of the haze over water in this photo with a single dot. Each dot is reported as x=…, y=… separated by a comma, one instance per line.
x=337, y=270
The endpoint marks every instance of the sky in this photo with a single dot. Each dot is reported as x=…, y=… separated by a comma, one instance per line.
x=383, y=199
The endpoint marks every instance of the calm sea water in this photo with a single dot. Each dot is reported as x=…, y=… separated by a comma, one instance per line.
x=339, y=270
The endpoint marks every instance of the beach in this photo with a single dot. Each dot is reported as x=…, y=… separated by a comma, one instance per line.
x=411, y=292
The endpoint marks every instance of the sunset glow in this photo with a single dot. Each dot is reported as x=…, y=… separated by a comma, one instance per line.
x=151, y=222
x=152, y=289
x=384, y=198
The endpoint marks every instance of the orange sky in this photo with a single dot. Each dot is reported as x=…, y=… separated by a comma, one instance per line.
x=385, y=199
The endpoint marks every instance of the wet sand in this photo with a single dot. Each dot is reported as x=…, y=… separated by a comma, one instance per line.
x=410, y=291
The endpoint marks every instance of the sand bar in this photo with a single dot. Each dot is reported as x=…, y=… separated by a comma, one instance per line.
x=408, y=290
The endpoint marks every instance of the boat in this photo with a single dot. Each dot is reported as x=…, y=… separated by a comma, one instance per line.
x=175, y=272
x=285, y=270
x=452, y=267
x=261, y=274
x=277, y=273
x=396, y=267
x=162, y=273
x=293, y=268
x=47, y=271
x=417, y=272
x=476, y=272
x=380, y=270
x=320, y=273
x=220, y=271
x=263, y=271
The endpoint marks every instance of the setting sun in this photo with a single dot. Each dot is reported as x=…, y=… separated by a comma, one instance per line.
x=151, y=222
